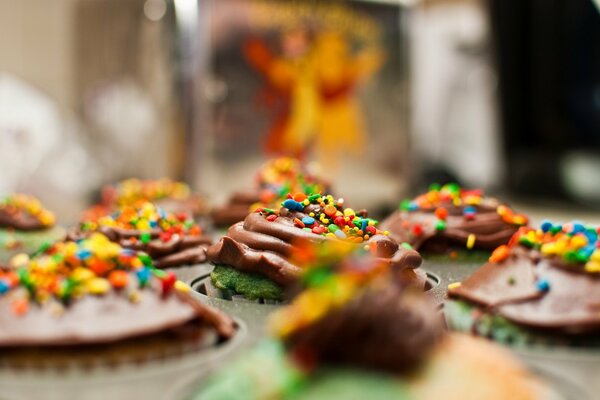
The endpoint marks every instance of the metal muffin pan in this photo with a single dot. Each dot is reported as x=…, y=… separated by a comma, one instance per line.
x=150, y=380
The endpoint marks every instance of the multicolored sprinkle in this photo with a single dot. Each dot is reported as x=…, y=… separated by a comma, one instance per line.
x=67, y=271
x=151, y=220
x=440, y=198
x=131, y=191
x=574, y=243
x=22, y=203
x=329, y=218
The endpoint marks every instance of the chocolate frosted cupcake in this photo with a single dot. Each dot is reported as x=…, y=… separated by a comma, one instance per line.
x=541, y=288
x=170, y=240
x=353, y=334
x=174, y=197
x=253, y=258
x=25, y=225
x=273, y=182
x=451, y=221
x=93, y=303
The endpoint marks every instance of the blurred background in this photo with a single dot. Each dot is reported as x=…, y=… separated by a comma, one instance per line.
x=388, y=96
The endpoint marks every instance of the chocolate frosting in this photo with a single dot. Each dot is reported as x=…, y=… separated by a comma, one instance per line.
x=20, y=220
x=487, y=225
x=102, y=319
x=510, y=288
x=178, y=251
x=237, y=208
x=260, y=246
x=383, y=328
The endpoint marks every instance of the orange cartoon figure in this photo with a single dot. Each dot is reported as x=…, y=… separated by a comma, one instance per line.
x=312, y=84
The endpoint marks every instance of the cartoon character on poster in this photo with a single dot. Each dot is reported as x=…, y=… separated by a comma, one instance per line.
x=322, y=56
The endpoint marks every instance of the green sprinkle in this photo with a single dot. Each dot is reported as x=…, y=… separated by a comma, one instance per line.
x=405, y=205
x=145, y=259
x=332, y=228
x=440, y=225
x=435, y=187
x=407, y=246
x=146, y=237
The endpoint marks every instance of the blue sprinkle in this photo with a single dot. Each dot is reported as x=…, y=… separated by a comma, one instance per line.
x=308, y=220
x=144, y=275
x=578, y=227
x=84, y=254
x=546, y=225
x=127, y=252
x=588, y=250
x=340, y=234
x=469, y=210
x=3, y=287
x=543, y=285
x=591, y=235
x=292, y=205
x=413, y=206
x=363, y=225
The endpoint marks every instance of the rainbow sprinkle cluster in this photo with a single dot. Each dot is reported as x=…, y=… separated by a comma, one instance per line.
x=284, y=175
x=330, y=219
x=131, y=191
x=439, y=198
x=147, y=218
x=574, y=243
x=331, y=277
x=66, y=271
x=22, y=203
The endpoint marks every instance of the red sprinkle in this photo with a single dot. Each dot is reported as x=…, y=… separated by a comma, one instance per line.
x=168, y=282
x=417, y=230
x=271, y=217
x=441, y=213
x=371, y=230
x=299, y=223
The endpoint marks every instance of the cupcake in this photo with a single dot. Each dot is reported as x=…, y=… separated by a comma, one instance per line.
x=353, y=334
x=25, y=226
x=253, y=258
x=541, y=289
x=169, y=240
x=272, y=183
x=174, y=197
x=93, y=303
x=449, y=221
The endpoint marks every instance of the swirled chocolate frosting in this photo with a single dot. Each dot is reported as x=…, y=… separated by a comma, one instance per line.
x=92, y=292
x=170, y=240
x=547, y=279
x=272, y=183
x=264, y=241
x=24, y=213
x=449, y=217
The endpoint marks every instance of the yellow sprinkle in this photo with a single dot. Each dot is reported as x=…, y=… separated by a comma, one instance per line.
x=182, y=287
x=595, y=256
x=386, y=233
x=578, y=241
x=548, y=249
x=135, y=296
x=82, y=274
x=306, y=202
x=454, y=285
x=98, y=286
x=19, y=260
x=592, y=266
x=312, y=214
x=348, y=212
x=471, y=241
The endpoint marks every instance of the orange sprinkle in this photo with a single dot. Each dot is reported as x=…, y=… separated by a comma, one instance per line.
x=299, y=197
x=20, y=307
x=500, y=254
x=118, y=279
x=441, y=213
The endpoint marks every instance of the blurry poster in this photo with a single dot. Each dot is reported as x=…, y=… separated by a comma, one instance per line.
x=319, y=81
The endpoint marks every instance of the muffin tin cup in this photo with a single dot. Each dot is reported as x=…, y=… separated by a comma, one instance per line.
x=203, y=285
x=149, y=380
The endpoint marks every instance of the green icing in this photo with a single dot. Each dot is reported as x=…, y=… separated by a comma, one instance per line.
x=27, y=242
x=352, y=385
x=460, y=317
x=252, y=286
x=265, y=372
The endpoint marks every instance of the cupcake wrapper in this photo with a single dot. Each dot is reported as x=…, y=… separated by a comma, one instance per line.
x=205, y=286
